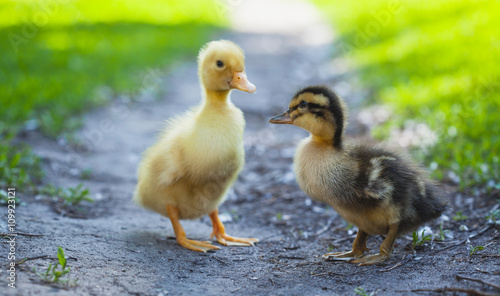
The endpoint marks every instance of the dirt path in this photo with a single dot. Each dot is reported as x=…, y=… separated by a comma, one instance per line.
x=121, y=249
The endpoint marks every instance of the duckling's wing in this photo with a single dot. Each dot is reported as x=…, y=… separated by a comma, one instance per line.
x=172, y=169
x=164, y=162
x=374, y=172
x=379, y=183
x=170, y=150
x=385, y=175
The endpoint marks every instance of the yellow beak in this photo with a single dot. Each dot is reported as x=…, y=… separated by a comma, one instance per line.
x=241, y=82
x=282, y=118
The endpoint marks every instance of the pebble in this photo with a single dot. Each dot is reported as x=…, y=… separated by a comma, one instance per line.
x=225, y=217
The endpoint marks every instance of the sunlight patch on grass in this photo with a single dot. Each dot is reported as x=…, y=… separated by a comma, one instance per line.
x=70, y=12
x=434, y=62
x=60, y=58
x=57, y=56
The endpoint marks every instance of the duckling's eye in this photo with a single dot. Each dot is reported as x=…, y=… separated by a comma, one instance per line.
x=303, y=104
x=220, y=64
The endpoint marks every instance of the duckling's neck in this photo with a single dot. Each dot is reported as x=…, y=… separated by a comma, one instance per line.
x=328, y=142
x=214, y=98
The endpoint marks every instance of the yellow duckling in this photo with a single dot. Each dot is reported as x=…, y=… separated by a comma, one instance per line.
x=375, y=189
x=187, y=173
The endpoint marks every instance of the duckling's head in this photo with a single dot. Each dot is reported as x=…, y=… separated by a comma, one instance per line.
x=318, y=110
x=221, y=67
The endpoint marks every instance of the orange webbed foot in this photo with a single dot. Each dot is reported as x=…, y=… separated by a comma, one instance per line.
x=180, y=235
x=227, y=240
x=195, y=245
x=223, y=238
x=385, y=249
x=358, y=249
x=354, y=253
x=371, y=259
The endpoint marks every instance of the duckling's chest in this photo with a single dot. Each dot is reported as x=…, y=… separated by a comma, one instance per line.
x=215, y=145
x=321, y=173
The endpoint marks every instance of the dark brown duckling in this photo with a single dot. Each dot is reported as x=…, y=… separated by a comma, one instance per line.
x=373, y=188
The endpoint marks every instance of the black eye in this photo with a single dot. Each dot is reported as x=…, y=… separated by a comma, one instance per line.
x=302, y=104
x=220, y=64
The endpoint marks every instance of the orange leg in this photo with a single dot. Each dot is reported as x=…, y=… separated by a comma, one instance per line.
x=225, y=239
x=358, y=248
x=385, y=249
x=180, y=235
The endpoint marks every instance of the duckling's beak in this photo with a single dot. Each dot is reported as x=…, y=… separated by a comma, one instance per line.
x=241, y=82
x=282, y=118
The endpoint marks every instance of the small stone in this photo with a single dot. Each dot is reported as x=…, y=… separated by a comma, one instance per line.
x=444, y=218
x=318, y=210
x=225, y=217
x=424, y=231
x=352, y=231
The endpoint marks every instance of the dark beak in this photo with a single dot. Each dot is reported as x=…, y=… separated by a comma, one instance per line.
x=282, y=118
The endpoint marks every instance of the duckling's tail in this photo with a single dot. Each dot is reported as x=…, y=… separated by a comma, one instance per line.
x=137, y=198
x=426, y=206
x=432, y=205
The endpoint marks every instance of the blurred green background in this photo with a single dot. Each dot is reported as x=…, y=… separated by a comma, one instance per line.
x=60, y=58
x=431, y=62
x=57, y=57
x=435, y=62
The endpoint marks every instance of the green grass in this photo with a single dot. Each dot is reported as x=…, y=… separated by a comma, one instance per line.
x=51, y=72
x=459, y=216
x=361, y=291
x=419, y=239
x=473, y=250
x=436, y=63
x=19, y=169
x=443, y=234
x=493, y=217
x=61, y=58
x=54, y=274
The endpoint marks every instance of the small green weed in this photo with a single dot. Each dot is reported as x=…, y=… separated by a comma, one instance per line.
x=279, y=216
x=54, y=274
x=494, y=216
x=73, y=196
x=459, y=216
x=50, y=190
x=86, y=174
x=362, y=292
x=419, y=241
x=442, y=233
x=19, y=168
x=235, y=215
x=473, y=250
